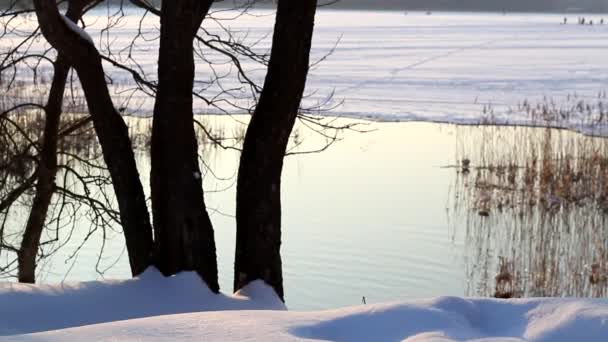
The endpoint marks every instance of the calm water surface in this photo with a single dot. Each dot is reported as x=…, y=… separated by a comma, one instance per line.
x=367, y=218
x=379, y=215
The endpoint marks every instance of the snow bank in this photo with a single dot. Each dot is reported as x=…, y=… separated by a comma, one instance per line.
x=179, y=308
x=441, y=319
x=456, y=319
x=31, y=308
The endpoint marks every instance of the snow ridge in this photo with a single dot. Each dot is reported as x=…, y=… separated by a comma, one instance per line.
x=181, y=308
x=77, y=29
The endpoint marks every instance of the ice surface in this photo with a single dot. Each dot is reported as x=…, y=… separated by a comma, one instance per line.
x=445, y=67
x=393, y=66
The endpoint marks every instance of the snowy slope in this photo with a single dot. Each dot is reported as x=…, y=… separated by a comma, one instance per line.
x=199, y=315
x=441, y=319
x=29, y=308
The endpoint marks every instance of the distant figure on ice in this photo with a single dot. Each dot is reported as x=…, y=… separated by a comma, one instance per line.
x=602, y=21
x=591, y=22
x=565, y=20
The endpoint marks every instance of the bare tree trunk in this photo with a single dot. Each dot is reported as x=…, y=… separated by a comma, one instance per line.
x=258, y=211
x=47, y=165
x=47, y=169
x=111, y=131
x=183, y=232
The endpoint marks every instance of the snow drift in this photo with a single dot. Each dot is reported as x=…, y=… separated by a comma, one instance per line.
x=152, y=307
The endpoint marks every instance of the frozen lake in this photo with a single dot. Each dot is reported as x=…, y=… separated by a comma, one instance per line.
x=445, y=67
x=448, y=67
x=397, y=66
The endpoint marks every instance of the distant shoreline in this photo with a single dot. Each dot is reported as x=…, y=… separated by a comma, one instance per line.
x=407, y=6
x=328, y=8
x=403, y=9
x=392, y=7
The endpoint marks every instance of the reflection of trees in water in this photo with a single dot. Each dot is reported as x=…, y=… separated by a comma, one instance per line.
x=83, y=205
x=534, y=203
x=79, y=169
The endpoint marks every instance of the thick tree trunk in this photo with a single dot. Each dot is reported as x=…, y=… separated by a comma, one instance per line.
x=183, y=232
x=111, y=131
x=258, y=211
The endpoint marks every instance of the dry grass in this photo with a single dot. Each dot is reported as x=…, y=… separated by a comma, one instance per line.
x=534, y=202
x=586, y=113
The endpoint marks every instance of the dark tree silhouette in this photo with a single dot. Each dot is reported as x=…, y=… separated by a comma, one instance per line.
x=182, y=236
x=110, y=127
x=258, y=202
x=183, y=231
x=47, y=166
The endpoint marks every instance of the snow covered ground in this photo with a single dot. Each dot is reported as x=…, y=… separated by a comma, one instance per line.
x=179, y=308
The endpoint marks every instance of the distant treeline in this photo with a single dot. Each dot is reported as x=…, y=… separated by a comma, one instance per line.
x=436, y=5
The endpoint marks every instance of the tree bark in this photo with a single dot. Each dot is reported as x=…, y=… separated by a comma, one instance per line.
x=111, y=131
x=258, y=211
x=184, y=238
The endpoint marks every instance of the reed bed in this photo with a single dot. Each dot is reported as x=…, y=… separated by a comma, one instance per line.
x=534, y=204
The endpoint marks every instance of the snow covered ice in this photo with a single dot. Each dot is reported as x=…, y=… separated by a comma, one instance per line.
x=181, y=308
x=389, y=66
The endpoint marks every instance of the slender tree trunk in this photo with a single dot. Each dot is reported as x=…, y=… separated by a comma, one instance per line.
x=111, y=131
x=258, y=211
x=47, y=169
x=183, y=232
x=47, y=166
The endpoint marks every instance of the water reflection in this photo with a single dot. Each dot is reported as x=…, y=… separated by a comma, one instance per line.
x=367, y=217
x=363, y=218
x=82, y=222
x=533, y=204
